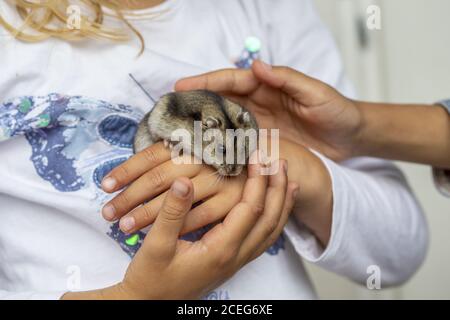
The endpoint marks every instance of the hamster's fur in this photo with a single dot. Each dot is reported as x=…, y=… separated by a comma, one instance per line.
x=180, y=109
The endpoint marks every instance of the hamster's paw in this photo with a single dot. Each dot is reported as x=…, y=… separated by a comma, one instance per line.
x=244, y=117
x=168, y=144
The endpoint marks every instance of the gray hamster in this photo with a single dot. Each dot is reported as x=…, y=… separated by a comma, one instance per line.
x=180, y=109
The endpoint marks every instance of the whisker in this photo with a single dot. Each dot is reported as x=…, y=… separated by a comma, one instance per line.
x=212, y=173
x=217, y=181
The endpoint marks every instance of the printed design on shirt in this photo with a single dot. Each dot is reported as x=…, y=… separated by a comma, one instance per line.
x=250, y=53
x=75, y=142
x=277, y=246
x=129, y=243
x=217, y=295
x=64, y=132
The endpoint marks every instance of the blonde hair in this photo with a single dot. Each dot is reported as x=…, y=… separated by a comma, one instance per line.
x=43, y=19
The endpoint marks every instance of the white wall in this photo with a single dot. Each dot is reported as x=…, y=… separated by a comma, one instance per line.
x=408, y=60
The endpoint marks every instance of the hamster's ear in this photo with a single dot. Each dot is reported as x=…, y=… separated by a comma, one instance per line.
x=244, y=117
x=211, y=122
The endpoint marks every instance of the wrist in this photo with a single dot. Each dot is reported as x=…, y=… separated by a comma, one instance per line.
x=314, y=203
x=361, y=132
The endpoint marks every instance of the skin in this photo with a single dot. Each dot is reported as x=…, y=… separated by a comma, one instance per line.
x=414, y=133
x=312, y=113
x=164, y=261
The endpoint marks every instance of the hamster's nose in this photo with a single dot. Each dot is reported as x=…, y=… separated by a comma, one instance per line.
x=234, y=169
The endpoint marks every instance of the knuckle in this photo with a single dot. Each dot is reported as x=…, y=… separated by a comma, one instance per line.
x=148, y=213
x=322, y=92
x=226, y=258
x=121, y=201
x=172, y=211
x=155, y=178
x=258, y=209
x=121, y=173
x=150, y=155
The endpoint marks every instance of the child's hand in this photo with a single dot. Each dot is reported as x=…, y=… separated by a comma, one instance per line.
x=150, y=173
x=168, y=268
x=306, y=110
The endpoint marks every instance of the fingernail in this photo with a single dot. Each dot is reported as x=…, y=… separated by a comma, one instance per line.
x=127, y=223
x=180, y=189
x=109, y=212
x=109, y=183
x=265, y=66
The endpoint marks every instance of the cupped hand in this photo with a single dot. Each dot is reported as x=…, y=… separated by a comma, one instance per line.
x=149, y=174
x=306, y=110
x=166, y=267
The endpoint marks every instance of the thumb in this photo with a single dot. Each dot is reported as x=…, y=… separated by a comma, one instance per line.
x=300, y=87
x=163, y=236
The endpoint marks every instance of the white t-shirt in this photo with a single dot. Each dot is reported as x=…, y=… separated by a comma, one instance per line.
x=68, y=114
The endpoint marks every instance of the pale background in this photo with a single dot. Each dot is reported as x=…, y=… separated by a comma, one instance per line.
x=408, y=60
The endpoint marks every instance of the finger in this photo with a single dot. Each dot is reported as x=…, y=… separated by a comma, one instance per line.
x=146, y=214
x=163, y=236
x=242, y=218
x=210, y=211
x=294, y=83
x=274, y=201
x=136, y=166
x=235, y=81
x=149, y=185
x=291, y=195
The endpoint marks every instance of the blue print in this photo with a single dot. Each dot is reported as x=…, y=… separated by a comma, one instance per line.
x=249, y=54
x=51, y=163
x=75, y=142
x=103, y=169
x=118, y=131
x=217, y=295
x=124, y=240
x=60, y=128
x=277, y=246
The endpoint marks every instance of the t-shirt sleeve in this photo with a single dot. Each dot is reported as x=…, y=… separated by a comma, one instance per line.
x=441, y=176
